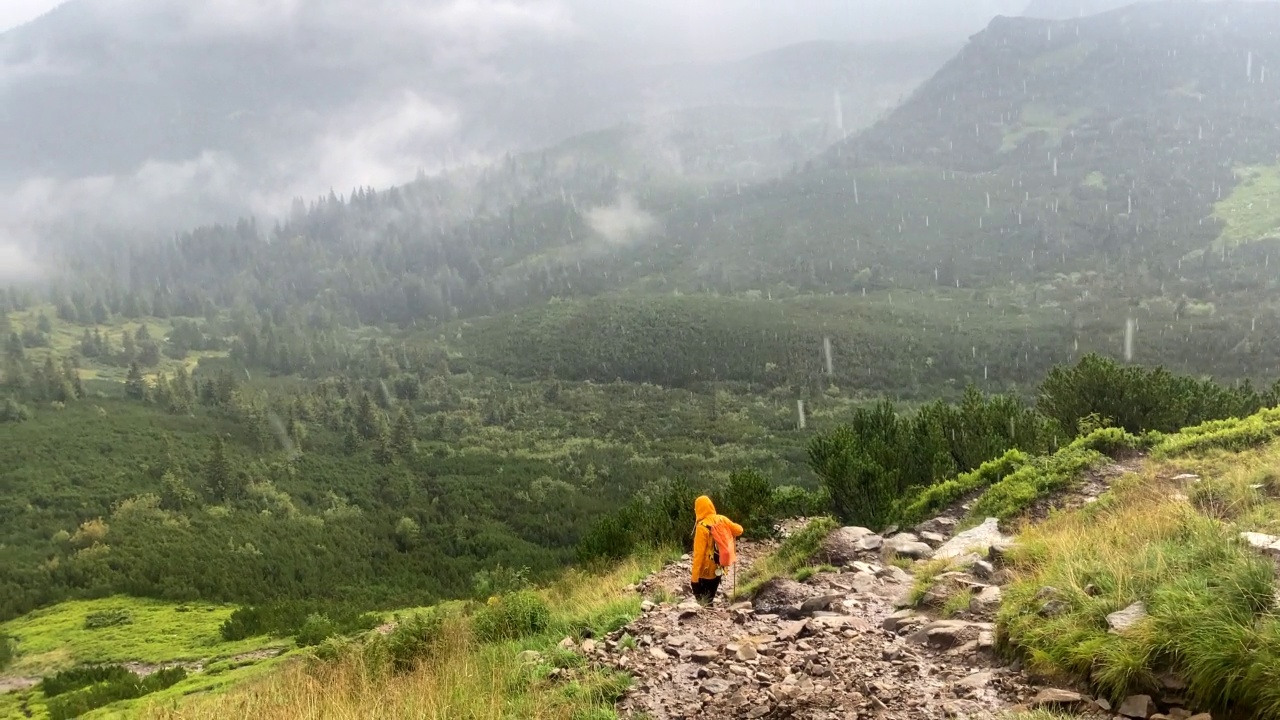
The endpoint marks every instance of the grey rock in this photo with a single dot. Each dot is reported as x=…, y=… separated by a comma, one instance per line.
x=908, y=545
x=1138, y=706
x=1055, y=698
x=988, y=599
x=933, y=538
x=975, y=681
x=870, y=542
x=1121, y=620
x=647, y=606
x=813, y=605
x=588, y=646
x=942, y=634
x=983, y=536
x=658, y=653
x=898, y=620
x=717, y=686
x=529, y=657
x=983, y=570
x=703, y=657
x=843, y=545
x=1267, y=544
x=792, y=630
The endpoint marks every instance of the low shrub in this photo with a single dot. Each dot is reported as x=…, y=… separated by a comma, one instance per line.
x=414, y=639
x=107, y=618
x=512, y=616
x=747, y=498
x=120, y=685
x=1017, y=491
x=8, y=650
x=1230, y=435
x=288, y=618
x=934, y=500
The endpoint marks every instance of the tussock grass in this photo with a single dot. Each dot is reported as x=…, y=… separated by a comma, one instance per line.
x=1210, y=599
x=462, y=677
x=794, y=553
x=926, y=574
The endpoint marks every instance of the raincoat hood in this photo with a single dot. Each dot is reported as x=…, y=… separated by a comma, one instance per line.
x=703, y=509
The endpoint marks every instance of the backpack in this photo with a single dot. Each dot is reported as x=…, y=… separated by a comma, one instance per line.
x=723, y=552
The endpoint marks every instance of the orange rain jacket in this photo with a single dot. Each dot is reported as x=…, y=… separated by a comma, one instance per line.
x=704, y=567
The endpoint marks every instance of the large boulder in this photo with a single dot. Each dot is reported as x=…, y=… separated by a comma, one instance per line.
x=908, y=545
x=978, y=539
x=845, y=545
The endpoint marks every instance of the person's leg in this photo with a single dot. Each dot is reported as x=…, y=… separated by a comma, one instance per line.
x=704, y=591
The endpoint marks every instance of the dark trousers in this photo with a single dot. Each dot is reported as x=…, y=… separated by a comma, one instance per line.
x=704, y=591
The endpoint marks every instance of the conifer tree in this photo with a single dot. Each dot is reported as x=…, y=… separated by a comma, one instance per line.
x=135, y=385
x=219, y=477
x=404, y=434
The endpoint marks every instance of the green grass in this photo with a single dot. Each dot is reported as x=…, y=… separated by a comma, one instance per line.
x=1209, y=597
x=1095, y=180
x=926, y=574
x=793, y=554
x=1252, y=211
x=809, y=571
x=55, y=638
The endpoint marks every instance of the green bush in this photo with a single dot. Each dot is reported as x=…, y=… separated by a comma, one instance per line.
x=107, y=618
x=1018, y=490
x=945, y=494
x=290, y=617
x=121, y=685
x=315, y=629
x=747, y=498
x=659, y=517
x=1231, y=434
x=790, y=501
x=1140, y=399
x=8, y=650
x=415, y=637
x=81, y=677
x=512, y=616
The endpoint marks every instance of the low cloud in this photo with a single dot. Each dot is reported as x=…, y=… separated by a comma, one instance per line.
x=16, y=265
x=623, y=222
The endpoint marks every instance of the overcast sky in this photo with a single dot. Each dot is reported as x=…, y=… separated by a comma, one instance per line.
x=16, y=12
x=715, y=27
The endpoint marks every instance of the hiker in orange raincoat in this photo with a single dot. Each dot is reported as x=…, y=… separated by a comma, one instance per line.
x=708, y=565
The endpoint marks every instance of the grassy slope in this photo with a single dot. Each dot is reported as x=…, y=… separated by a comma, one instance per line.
x=1174, y=545
x=1252, y=211
x=466, y=678
x=56, y=638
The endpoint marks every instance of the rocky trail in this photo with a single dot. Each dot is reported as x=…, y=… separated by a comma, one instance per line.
x=845, y=644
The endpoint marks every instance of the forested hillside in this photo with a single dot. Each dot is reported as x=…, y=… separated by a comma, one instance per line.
x=390, y=397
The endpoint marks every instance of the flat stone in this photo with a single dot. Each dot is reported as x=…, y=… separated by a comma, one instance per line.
x=1268, y=544
x=747, y=653
x=647, y=606
x=896, y=621
x=658, y=653
x=983, y=536
x=1122, y=620
x=817, y=604
x=975, y=681
x=588, y=646
x=933, y=538
x=1053, y=697
x=568, y=644
x=703, y=657
x=792, y=630
x=842, y=545
x=716, y=686
x=941, y=634
x=1138, y=706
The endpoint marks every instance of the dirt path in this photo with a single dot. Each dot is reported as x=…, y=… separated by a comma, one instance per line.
x=834, y=646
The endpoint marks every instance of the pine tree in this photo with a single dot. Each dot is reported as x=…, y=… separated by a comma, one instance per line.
x=135, y=385
x=368, y=417
x=350, y=440
x=219, y=478
x=404, y=434
x=128, y=347
x=383, y=451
